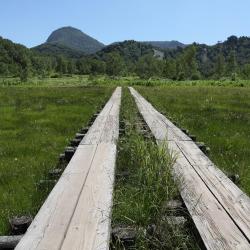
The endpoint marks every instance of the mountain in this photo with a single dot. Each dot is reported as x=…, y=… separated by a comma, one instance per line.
x=166, y=44
x=55, y=49
x=130, y=50
x=71, y=42
x=234, y=50
x=240, y=46
x=74, y=39
x=12, y=57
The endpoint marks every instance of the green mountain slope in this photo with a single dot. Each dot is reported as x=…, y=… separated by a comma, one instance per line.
x=129, y=50
x=75, y=39
x=166, y=44
x=54, y=49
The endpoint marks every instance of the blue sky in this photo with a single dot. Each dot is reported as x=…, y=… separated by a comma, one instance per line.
x=205, y=21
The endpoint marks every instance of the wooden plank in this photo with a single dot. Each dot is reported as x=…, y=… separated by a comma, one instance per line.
x=90, y=225
x=54, y=216
x=216, y=227
x=111, y=129
x=234, y=201
x=175, y=133
x=83, y=194
x=94, y=134
x=168, y=131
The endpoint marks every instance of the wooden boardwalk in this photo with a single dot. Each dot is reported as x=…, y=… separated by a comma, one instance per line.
x=76, y=214
x=219, y=209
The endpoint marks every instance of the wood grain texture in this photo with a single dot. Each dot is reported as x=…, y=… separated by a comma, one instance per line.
x=53, y=218
x=156, y=120
x=90, y=225
x=76, y=214
x=109, y=114
x=211, y=206
x=234, y=201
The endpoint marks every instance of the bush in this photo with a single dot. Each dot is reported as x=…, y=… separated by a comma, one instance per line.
x=55, y=76
x=196, y=76
x=24, y=75
x=234, y=76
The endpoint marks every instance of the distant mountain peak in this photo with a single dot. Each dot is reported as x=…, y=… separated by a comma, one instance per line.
x=72, y=42
x=75, y=39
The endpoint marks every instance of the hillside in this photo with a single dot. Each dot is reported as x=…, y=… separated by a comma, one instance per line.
x=229, y=58
x=54, y=49
x=129, y=50
x=165, y=44
x=13, y=57
x=239, y=48
x=234, y=51
x=74, y=39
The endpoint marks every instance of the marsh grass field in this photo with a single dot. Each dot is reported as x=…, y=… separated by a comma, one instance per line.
x=38, y=118
x=105, y=80
x=218, y=116
x=36, y=123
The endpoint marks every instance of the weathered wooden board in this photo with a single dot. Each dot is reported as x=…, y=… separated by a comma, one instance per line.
x=155, y=120
x=96, y=132
x=234, y=201
x=90, y=225
x=213, y=221
x=54, y=216
x=80, y=203
x=111, y=128
x=216, y=228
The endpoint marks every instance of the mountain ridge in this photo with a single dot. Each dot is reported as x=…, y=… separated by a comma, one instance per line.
x=65, y=38
x=165, y=44
x=75, y=39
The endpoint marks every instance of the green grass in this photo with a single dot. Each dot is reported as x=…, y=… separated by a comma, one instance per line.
x=139, y=197
x=218, y=116
x=85, y=80
x=35, y=125
x=74, y=80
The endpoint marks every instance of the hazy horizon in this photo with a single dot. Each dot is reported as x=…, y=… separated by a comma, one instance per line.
x=30, y=23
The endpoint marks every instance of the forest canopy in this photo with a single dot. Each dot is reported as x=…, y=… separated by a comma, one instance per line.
x=196, y=61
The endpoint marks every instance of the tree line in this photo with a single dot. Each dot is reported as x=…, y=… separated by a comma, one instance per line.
x=129, y=58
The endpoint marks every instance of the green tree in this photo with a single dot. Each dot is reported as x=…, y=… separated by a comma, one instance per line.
x=114, y=64
x=169, y=71
x=190, y=65
x=231, y=66
x=180, y=69
x=148, y=66
x=97, y=66
x=61, y=65
x=70, y=66
x=3, y=69
x=83, y=66
x=246, y=71
x=220, y=66
x=24, y=67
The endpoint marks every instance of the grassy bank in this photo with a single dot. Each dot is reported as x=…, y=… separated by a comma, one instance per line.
x=143, y=185
x=35, y=126
x=218, y=116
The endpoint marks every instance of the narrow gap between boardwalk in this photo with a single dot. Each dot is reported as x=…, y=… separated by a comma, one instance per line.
x=147, y=210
